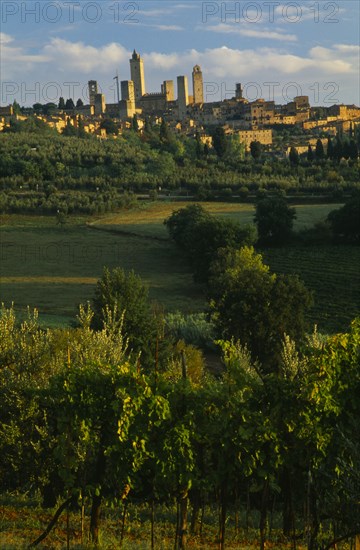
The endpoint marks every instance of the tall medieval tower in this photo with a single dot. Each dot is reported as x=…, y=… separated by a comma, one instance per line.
x=183, y=95
x=198, y=86
x=137, y=75
x=93, y=91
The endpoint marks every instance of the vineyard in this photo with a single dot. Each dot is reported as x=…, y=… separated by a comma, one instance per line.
x=332, y=272
x=162, y=454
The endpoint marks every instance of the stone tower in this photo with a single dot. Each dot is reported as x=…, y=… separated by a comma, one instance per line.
x=239, y=92
x=128, y=90
x=93, y=91
x=198, y=85
x=183, y=95
x=167, y=88
x=137, y=75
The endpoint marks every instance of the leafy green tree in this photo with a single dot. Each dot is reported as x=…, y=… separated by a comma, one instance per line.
x=256, y=306
x=220, y=143
x=165, y=134
x=182, y=223
x=330, y=149
x=199, y=146
x=16, y=107
x=70, y=105
x=61, y=104
x=294, y=157
x=319, y=150
x=200, y=235
x=135, y=123
x=338, y=149
x=346, y=149
x=49, y=108
x=79, y=102
x=69, y=129
x=109, y=125
x=126, y=296
x=255, y=149
x=274, y=219
x=345, y=222
x=353, y=150
x=38, y=108
x=310, y=154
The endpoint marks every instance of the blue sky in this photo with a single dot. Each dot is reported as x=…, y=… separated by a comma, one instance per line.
x=276, y=49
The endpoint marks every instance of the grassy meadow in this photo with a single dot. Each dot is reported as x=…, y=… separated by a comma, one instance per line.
x=55, y=267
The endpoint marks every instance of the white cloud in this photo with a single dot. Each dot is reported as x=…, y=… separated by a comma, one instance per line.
x=14, y=59
x=168, y=27
x=5, y=38
x=62, y=60
x=85, y=58
x=261, y=33
x=347, y=48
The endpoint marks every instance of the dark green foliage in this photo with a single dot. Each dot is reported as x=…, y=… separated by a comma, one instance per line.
x=38, y=108
x=199, y=147
x=109, y=125
x=345, y=222
x=70, y=105
x=182, y=223
x=165, y=134
x=126, y=296
x=135, y=123
x=255, y=149
x=69, y=130
x=16, y=107
x=330, y=149
x=255, y=306
x=319, y=151
x=310, y=154
x=61, y=104
x=274, y=219
x=200, y=235
x=294, y=157
x=338, y=151
x=353, y=150
x=220, y=143
x=79, y=103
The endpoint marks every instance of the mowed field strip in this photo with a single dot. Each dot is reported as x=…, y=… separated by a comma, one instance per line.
x=55, y=268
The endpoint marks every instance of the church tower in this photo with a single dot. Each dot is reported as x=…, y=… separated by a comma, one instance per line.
x=137, y=75
x=198, y=86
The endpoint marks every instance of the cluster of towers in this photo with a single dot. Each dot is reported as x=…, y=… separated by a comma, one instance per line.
x=134, y=98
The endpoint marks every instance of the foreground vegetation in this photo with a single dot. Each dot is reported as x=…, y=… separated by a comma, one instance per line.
x=87, y=422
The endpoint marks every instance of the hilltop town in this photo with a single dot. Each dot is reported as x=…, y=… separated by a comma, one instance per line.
x=191, y=115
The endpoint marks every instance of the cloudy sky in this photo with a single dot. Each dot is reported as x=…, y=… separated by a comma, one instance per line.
x=276, y=49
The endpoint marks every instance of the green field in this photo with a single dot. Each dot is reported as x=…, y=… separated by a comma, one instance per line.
x=55, y=268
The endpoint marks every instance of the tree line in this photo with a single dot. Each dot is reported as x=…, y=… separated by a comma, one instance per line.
x=35, y=156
